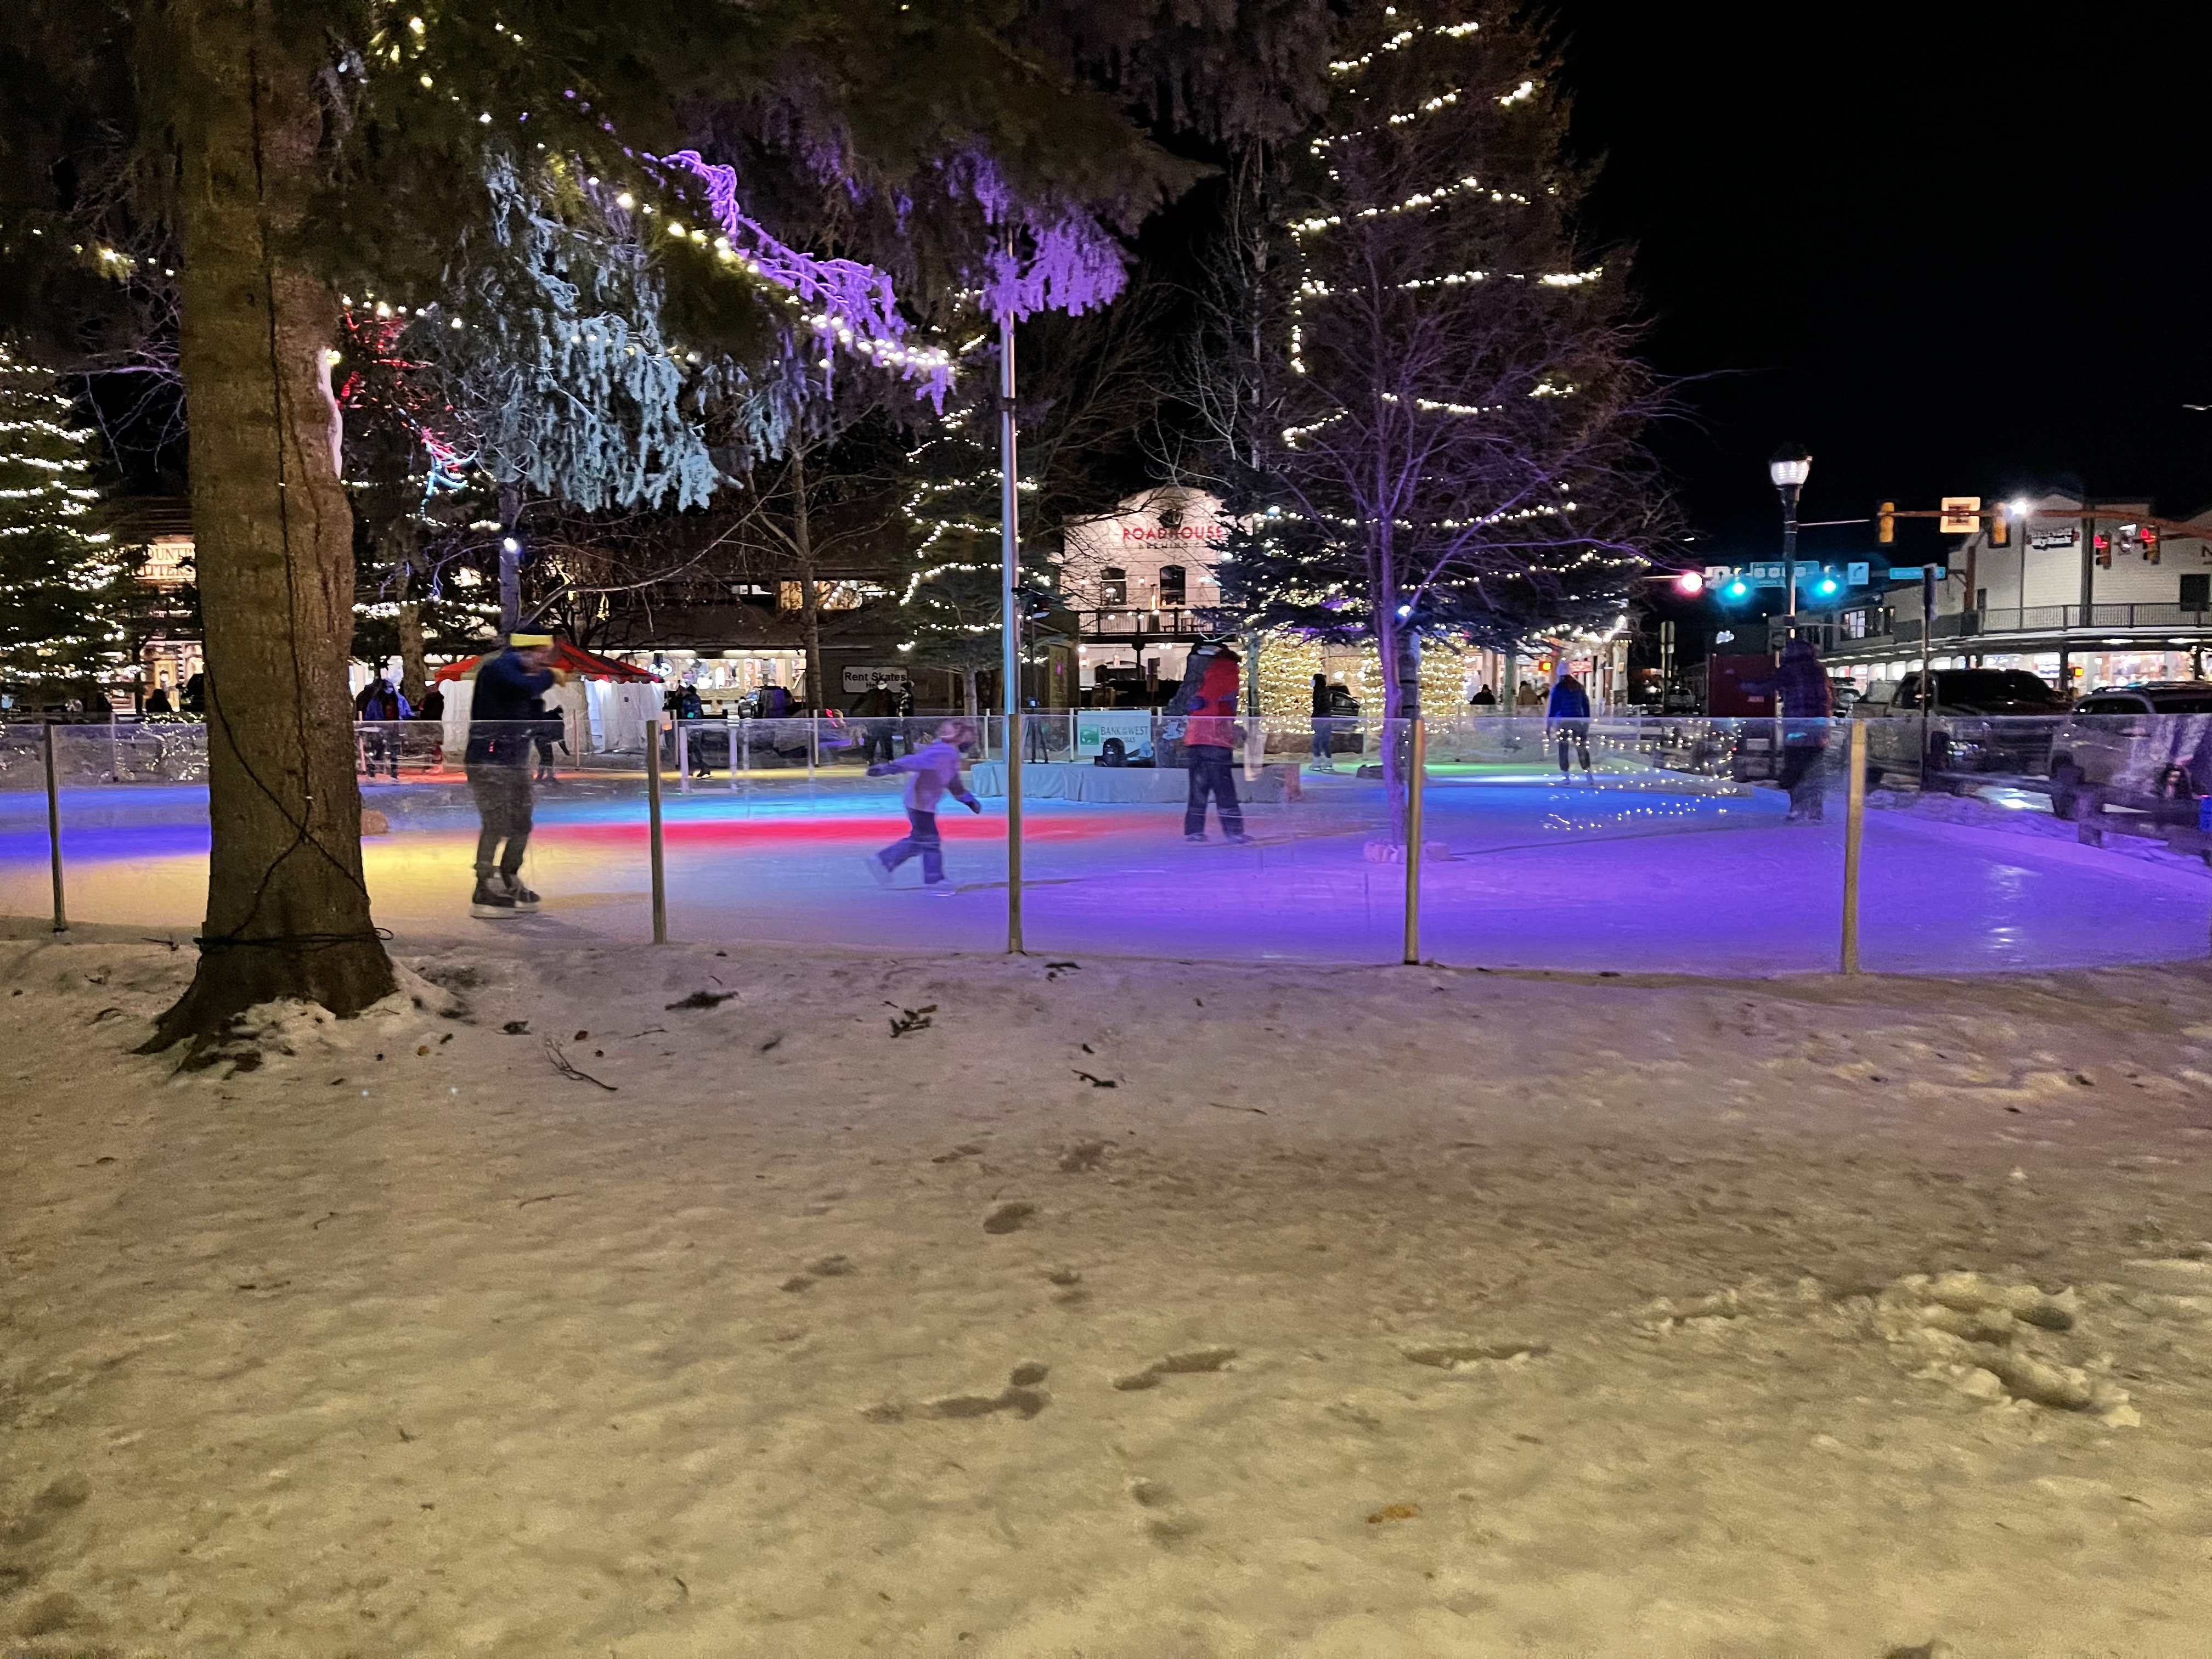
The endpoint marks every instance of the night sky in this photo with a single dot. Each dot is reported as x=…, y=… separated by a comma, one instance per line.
x=1949, y=250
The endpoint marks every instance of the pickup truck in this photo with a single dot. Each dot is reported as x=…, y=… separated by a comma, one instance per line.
x=1982, y=720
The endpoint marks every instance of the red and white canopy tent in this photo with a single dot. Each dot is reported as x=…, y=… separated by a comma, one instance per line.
x=604, y=707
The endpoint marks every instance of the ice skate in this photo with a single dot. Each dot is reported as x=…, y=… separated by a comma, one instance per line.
x=876, y=869
x=1198, y=840
x=526, y=901
x=492, y=901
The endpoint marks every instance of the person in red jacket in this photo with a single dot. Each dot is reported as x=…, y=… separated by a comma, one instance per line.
x=1209, y=694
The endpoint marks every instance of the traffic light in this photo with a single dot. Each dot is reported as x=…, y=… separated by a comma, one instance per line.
x=1827, y=587
x=2000, y=527
x=2101, y=544
x=1886, y=524
x=2149, y=538
x=1737, y=588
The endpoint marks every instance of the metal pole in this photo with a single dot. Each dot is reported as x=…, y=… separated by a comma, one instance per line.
x=1790, y=557
x=729, y=738
x=1010, y=523
x=653, y=818
x=54, y=831
x=1927, y=660
x=1855, y=759
x=1419, y=764
x=683, y=757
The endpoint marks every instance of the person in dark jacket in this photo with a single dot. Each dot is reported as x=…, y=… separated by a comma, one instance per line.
x=1209, y=697
x=381, y=707
x=1323, y=727
x=1807, y=704
x=1568, y=713
x=157, y=700
x=503, y=721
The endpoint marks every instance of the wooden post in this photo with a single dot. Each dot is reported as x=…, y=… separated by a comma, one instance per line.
x=54, y=831
x=653, y=818
x=1418, y=765
x=1855, y=762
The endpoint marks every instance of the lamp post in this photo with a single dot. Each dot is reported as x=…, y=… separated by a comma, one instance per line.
x=1790, y=468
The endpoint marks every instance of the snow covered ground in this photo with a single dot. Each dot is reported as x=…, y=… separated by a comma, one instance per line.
x=925, y=1304
x=1637, y=871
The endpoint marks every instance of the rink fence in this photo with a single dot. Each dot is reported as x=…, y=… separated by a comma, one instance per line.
x=1619, y=843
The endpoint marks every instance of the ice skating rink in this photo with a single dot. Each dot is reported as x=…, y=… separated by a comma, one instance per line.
x=1636, y=870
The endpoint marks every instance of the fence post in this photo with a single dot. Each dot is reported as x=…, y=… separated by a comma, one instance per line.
x=730, y=729
x=653, y=818
x=1418, y=764
x=1855, y=758
x=683, y=757
x=54, y=831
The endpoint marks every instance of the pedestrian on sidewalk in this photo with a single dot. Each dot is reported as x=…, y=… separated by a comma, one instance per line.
x=504, y=713
x=1208, y=697
x=1569, y=714
x=932, y=773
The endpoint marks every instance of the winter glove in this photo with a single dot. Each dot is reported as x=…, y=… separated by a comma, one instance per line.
x=973, y=805
x=880, y=770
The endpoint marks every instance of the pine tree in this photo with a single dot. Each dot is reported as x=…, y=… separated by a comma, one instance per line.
x=67, y=592
x=952, y=598
x=1424, y=397
x=288, y=155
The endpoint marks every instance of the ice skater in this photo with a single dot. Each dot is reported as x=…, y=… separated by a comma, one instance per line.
x=1208, y=695
x=1799, y=684
x=1569, y=714
x=932, y=773
x=503, y=717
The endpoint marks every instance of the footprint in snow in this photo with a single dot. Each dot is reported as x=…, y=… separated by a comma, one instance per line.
x=1021, y=1396
x=1195, y=1361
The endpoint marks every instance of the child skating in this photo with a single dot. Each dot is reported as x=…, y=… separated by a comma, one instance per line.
x=933, y=772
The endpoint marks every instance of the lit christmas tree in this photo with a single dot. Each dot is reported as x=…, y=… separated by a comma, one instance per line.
x=950, y=601
x=66, y=588
x=1426, y=401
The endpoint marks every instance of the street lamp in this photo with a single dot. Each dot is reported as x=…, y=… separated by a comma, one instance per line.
x=1792, y=465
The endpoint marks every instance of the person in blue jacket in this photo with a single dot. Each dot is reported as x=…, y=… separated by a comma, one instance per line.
x=509, y=699
x=1567, y=714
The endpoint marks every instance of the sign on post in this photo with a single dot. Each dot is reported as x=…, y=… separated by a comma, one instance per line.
x=1962, y=515
x=1856, y=574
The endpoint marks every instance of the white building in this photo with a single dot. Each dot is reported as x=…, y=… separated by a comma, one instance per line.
x=1140, y=582
x=2083, y=593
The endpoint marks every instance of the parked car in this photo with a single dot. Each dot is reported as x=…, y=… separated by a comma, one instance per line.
x=1982, y=720
x=2110, y=751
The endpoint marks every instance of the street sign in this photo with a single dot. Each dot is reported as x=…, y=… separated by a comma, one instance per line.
x=1962, y=515
x=1855, y=574
x=1766, y=575
x=1912, y=573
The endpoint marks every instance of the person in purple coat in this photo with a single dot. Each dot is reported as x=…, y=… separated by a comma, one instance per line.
x=932, y=773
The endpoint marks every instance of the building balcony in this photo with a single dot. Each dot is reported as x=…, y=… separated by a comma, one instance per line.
x=1882, y=635
x=1136, y=624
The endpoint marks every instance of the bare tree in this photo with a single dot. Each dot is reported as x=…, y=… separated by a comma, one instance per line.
x=1426, y=404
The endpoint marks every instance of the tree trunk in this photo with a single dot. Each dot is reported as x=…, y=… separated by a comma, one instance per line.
x=810, y=596
x=969, y=703
x=414, y=668
x=288, y=914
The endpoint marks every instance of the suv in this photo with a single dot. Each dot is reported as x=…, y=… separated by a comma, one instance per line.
x=2111, y=750
x=1977, y=722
